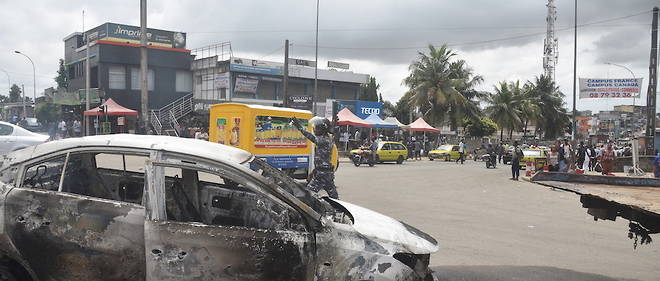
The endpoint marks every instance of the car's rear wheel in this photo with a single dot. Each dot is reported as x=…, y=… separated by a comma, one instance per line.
x=447, y=158
x=399, y=160
x=430, y=158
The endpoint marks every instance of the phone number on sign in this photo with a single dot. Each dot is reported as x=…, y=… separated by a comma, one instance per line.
x=611, y=95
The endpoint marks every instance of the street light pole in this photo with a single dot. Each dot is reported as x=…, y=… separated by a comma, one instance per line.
x=316, y=61
x=34, y=78
x=574, y=129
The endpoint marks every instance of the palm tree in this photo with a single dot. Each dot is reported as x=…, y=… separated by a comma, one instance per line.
x=442, y=89
x=503, y=106
x=552, y=115
x=528, y=106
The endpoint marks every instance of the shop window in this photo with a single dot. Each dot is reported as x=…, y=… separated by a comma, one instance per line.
x=135, y=79
x=117, y=77
x=183, y=81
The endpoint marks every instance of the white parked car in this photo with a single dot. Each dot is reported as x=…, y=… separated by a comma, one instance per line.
x=13, y=137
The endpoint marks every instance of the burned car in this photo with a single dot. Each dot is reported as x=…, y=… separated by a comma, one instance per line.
x=132, y=207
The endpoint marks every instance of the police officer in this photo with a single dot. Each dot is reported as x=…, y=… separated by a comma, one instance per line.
x=323, y=175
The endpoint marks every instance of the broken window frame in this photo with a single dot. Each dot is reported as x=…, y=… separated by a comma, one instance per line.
x=156, y=188
x=23, y=166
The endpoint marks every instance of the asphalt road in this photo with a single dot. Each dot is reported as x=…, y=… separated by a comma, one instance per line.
x=493, y=228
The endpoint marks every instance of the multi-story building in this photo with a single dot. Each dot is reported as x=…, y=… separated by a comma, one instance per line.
x=220, y=77
x=115, y=64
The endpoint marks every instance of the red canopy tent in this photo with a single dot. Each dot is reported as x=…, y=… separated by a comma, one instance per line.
x=421, y=126
x=112, y=109
x=346, y=117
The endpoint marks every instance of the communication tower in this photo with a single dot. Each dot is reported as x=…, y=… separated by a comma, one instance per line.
x=550, y=49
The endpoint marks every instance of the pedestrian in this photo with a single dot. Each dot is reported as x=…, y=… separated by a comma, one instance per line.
x=323, y=175
x=500, y=152
x=52, y=131
x=581, y=156
x=516, y=155
x=418, y=150
x=607, y=160
x=591, y=156
x=62, y=129
x=553, y=159
x=656, y=164
x=461, y=152
x=411, y=148
x=564, y=156
x=77, y=128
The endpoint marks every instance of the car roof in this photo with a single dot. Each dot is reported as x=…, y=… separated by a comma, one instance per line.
x=193, y=147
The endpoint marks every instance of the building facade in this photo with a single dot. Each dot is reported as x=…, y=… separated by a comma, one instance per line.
x=115, y=64
x=223, y=78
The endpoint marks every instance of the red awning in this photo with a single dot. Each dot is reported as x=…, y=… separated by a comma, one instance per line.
x=112, y=109
x=346, y=117
x=421, y=126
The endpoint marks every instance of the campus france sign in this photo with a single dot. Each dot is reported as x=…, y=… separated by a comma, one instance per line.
x=594, y=88
x=131, y=34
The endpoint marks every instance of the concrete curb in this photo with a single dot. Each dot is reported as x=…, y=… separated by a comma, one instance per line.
x=595, y=179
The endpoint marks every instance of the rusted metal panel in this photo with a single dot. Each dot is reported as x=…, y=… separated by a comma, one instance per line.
x=191, y=251
x=68, y=237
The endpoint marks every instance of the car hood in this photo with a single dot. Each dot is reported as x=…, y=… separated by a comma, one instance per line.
x=439, y=151
x=386, y=230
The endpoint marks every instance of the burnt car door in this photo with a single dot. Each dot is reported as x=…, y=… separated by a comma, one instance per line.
x=67, y=225
x=219, y=223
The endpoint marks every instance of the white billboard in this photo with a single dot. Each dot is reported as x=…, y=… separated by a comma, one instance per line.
x=609, y=88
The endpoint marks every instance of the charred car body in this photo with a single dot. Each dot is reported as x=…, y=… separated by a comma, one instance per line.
x=130, y=207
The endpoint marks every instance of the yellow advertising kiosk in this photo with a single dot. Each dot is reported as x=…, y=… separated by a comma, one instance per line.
x=265, y=132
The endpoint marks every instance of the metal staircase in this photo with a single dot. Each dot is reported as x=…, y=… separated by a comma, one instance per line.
x=166, y=120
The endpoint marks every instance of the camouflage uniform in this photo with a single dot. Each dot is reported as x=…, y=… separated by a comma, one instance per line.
x=323, y=176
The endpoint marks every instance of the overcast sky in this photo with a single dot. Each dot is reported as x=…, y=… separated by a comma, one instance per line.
x=501, y=40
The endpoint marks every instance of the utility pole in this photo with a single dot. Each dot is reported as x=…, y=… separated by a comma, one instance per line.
x=144, y=90
x=316, y=61
x=24, y=109
x=573, y=128
x=87, y=75
x=285, y=79
x=652, y=90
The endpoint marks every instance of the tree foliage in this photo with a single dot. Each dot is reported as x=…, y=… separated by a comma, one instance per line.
x=62, y=78
x=480, y=127
x=15, y=93
x=369, y=91
x=442, y=87
x=47, y=112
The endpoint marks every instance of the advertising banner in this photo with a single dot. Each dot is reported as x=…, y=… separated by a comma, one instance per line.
x=131, y=34
x=276, y=132
x=591, y=88
x=255, y=66
x=584, y=123
x=300, y=102
x=365, y=108
x=246, y=85
x=302, y=62
x=221, y=81
x=340, y=65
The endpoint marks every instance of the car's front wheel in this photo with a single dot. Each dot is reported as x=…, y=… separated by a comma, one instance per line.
x=399, y=160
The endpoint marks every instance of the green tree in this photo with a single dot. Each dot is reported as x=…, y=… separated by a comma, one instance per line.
x=480, y=127
x=552, y=115
x=504, y=107
x=47, y=112
x=402, y=110
x=369, y=91
x=62, y=78
x=15, y=93
x=443, y=89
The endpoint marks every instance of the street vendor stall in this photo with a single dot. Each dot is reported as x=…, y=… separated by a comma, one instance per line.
x=346, y=117
x=110, y=108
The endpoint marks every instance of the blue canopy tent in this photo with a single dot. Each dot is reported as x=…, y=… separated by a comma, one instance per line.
x=376, y=122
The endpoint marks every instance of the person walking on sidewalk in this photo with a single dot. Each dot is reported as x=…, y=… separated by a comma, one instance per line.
x=607, y=160
x=516, y=155
x=461, y=152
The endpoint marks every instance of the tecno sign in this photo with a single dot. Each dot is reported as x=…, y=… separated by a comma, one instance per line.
x=370, y=110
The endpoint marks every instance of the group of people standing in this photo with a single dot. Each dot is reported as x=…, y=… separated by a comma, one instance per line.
x=65, y=129
x=587, y=157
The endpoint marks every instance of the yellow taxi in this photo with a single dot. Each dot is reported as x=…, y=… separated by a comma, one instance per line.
x=446, y=151
x=538, y=156
x=389, y=151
